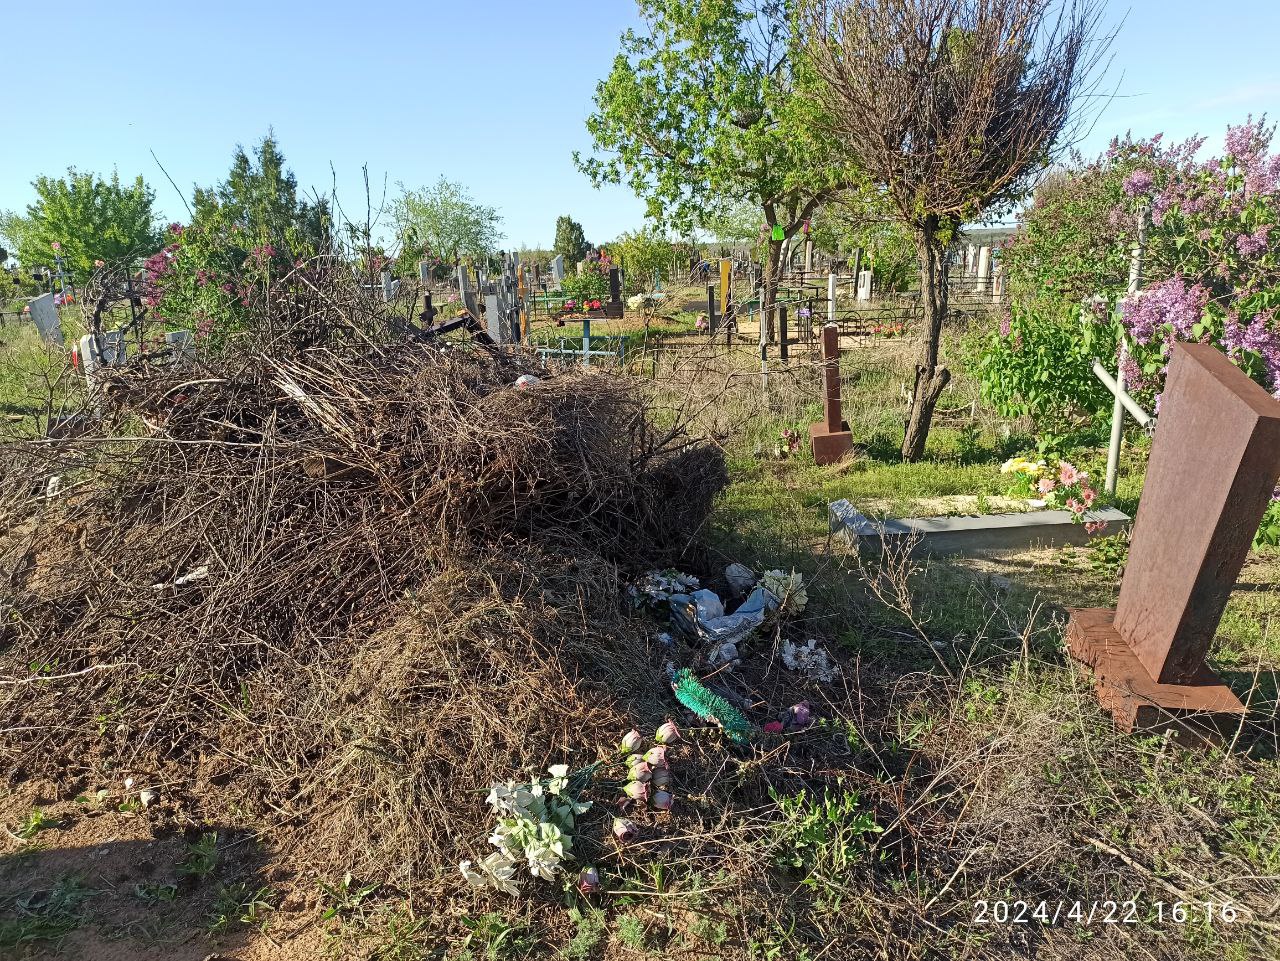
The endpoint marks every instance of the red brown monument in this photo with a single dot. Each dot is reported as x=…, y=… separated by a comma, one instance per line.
x=1213, y=467
x=830, y=437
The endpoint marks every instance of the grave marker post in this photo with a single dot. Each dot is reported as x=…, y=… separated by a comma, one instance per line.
x=1194, y=527
x=830, y=437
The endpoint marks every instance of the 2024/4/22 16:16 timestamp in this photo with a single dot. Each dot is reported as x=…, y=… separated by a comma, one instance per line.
x=1102, y=912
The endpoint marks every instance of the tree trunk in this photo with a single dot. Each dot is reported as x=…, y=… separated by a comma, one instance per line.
x=930, y=378
x=769, y=283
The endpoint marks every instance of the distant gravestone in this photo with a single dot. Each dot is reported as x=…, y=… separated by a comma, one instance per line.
x=984, y=267
x=1213, y=467
x=613, y=309
x=45, y=316
x=557, y=269
x=467, y=294
x=494, y=321
x=105, y=350
x=864, y=285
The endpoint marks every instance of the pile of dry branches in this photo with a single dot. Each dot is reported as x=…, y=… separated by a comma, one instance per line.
x=256, y=567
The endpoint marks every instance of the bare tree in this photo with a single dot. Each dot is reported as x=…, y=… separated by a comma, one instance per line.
x=953, y=107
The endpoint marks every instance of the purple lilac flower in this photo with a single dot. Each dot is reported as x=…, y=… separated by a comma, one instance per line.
x=1251, y=245
x=1168, y=303
x=1138, y=183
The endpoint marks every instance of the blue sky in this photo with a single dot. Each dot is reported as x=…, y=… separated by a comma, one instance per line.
x=493, y=95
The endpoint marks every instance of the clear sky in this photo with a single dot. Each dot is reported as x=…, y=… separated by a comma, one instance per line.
x=493, y=95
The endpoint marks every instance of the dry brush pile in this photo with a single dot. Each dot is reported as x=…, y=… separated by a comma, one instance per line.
x=351, y=584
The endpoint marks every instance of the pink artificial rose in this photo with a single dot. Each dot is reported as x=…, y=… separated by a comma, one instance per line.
x=636, y=790
x=668, y=733
x=662, y=800
x=631, y=741
x=589, y=881
x=661, y=776
x=639, y=771
x=56, y=245
x=657, y=756
x=624, y=829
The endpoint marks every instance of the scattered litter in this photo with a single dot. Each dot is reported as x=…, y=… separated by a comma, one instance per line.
x=702, y=615
x=724, y=655
x=809, y=659
x=658, y=587
x=527, y=380
x=199, y=574
x=147, y=796
x=789, y=588
x=740, y=577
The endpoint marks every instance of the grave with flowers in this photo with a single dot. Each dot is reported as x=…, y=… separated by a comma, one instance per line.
x=1063, y=508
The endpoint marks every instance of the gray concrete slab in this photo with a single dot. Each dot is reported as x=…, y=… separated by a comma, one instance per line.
x=974, y=534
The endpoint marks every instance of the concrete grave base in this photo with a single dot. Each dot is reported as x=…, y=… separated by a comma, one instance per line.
x=829, y=447
x=1204, y=706
x=971, y=535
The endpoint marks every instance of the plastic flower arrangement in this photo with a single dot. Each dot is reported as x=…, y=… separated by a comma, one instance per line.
x=656, y=588
x=1024, y=474
x=1062, y=487
x=535, y=825
x=570, y=305
x=788, y=588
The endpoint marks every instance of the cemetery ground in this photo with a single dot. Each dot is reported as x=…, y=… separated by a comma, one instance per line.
x=311, y=792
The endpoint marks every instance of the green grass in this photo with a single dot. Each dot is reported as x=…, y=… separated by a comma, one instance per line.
x=43, y=915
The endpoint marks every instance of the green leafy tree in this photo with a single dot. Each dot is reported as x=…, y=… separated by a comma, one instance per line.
x=260, y=196
x=571, y=241
x=89, y=217
x=443, y=220
x=701, y=106
x=645, y=253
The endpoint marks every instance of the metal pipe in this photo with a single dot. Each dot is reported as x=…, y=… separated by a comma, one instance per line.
x=1135, y=410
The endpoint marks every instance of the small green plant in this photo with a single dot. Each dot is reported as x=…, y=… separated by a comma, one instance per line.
x=43, y=915
x=588, y=931
x=822, y=836
x=240, y=904
x=1108, y=555
x=497, y=938
x=345, y=899
x=1269, y=532
x=202, y=857
x=154, y=892
x=33, y=824
x=632, y=932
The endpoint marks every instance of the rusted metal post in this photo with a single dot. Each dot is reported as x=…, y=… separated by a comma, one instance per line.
x=830, y=437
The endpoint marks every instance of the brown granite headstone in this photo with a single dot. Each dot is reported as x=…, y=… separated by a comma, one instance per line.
x=1213, y=466
x=830, y=437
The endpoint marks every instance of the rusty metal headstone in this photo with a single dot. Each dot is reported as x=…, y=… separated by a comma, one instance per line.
x=830, y=437
x=1213, y=466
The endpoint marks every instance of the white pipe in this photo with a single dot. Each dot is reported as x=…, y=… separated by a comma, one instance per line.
x=1141, y=416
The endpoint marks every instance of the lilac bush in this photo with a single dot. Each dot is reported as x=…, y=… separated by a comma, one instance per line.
x=1220, y=258
x=1212, y=273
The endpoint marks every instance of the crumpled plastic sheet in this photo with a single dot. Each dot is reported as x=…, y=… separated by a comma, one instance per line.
x=701, y=615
